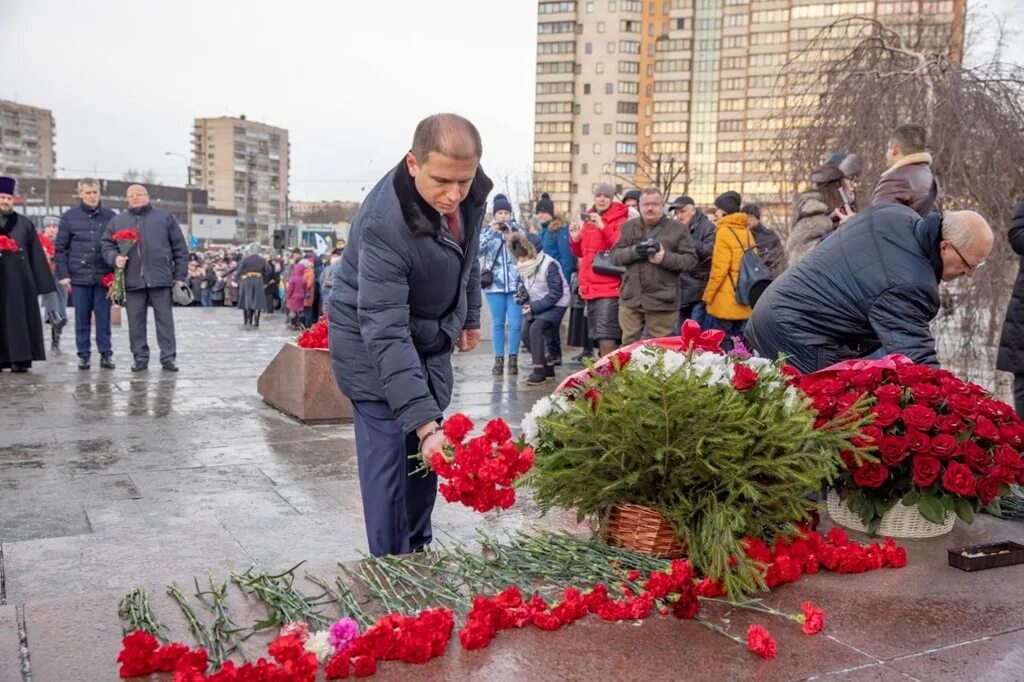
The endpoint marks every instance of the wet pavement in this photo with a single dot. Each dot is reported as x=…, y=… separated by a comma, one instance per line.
x=111, y=479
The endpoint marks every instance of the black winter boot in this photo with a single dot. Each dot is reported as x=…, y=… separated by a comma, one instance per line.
x=54, y=337
x=256, y=318
x=513, y=364
x=246, y=316
x=499, y=367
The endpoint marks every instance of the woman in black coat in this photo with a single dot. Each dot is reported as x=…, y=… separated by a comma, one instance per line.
x=1011, y=345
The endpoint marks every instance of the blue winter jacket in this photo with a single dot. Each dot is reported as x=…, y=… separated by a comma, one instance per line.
x=554, y=239
x=404, y=292
x=78, y=253
x=494, y=255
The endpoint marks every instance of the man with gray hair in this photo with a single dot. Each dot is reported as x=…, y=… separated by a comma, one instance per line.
x=873, y=284
x=80, y=265
x=156, y=263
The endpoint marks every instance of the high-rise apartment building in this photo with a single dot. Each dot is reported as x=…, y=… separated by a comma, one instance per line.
x=684, y=90
x=26, y=141
x=243, y=165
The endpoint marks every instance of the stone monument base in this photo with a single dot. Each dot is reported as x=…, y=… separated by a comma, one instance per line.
x=299, y=382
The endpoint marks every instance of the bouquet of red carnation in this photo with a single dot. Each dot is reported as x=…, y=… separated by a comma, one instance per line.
x=315, y=336
x=8, y=245
x=126, y=240
x=107, y=280
x=944, y=445
x=480, y=473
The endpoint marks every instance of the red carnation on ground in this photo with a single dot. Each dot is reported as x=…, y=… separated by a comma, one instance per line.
x=761, y=643
x=814, y=618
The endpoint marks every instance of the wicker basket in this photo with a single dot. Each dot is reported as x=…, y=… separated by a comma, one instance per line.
x=643, y=530
x=898, y=522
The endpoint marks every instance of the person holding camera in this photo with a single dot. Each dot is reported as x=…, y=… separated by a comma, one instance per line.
x=821, y=210
x=655, y=250
x=543, y=294
x=498, y=279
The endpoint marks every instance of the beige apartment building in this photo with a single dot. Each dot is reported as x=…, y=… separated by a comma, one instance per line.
x=243, y=166
x=26, y=141
x=684, y=89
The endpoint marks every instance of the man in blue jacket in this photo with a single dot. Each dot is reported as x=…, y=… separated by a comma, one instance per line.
x=157, y=262
x=874, y=283
x=406, y=295
x=80, y=265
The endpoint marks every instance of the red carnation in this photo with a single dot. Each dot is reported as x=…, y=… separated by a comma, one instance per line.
x=8, y=245
x=944, y=446
x=687, y=606
x=743, y=378
x=126, y=236
x=870, y=475
x=889, y=393
x=886, y=414
x=338, y=667
x=137, y=653
x=919, y=417
x=497, y=430
x=959, y=480
x=892, y=449
x=107, y=280
x=925, y=470
x=761, y=643
x=814, y=618
x=456, y=427
x=364, y=666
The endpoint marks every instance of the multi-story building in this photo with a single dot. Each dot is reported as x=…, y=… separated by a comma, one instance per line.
x=682, y=93
x=243, y=166
x=26, y=140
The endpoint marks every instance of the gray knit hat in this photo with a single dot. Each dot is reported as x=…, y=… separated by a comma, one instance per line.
x=605, y=189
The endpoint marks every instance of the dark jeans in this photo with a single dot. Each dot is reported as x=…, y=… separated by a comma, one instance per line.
x=89, y=301
x=539, y=334
x=1018, y=394
x=206, y=297
x=396, y=505
x=686, y=312
x=137, y=304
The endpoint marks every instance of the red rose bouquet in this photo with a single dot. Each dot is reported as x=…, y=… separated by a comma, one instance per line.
x=942, y=444
x=480, y=473
x=126, y=240
x=315, y=336
x=8, y=245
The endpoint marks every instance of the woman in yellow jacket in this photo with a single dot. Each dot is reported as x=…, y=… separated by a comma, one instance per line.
x=732, y=238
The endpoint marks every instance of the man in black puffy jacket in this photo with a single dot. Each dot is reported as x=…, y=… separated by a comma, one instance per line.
x=80, y=265
x=1011, y=344
x=158, y=262
x=873, y=283
x=407, y=294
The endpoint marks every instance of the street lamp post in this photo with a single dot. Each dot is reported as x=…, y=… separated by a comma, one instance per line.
x=188, y=195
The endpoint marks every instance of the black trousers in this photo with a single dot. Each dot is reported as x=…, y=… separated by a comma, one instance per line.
x=137, y=304
x=539, y=333
x=1018, y=394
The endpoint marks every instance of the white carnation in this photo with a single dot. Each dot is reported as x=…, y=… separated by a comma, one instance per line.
x=319, y=644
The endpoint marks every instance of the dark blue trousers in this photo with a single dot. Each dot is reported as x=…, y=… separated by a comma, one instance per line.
x=396, y=505
x=89, y=301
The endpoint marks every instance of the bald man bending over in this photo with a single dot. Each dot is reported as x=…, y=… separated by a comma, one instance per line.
x=407, y=294
x=873, y=283
x=158, y=261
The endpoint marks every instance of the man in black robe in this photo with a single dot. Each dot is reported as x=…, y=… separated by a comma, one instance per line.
x=24, y=275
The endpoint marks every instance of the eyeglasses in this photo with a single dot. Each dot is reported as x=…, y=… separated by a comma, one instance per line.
x=970, y=267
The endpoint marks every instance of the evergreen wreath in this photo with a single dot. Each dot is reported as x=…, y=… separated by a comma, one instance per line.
x=723, y=447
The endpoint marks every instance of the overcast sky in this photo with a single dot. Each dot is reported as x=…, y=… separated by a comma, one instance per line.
x=349, y=80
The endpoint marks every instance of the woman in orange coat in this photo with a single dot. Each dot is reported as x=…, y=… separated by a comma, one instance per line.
x=732, y=238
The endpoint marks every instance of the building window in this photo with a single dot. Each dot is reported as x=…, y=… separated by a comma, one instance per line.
x=628, y=107
x=556, y=88
x=556, y=7
x=629, y=46
x=586, y=129
x=680, y=24
x=598, y=108
x=629, y=67
x=599, y=67
x=556, y=27
x=584, y=168
x=625, y=168
x=609, y=88
x=611, y=48
x=607, y=128
x=597, y=148
x=590, y=8
x=625, y=128
x=611, y=5
x=588, y=48
x=586, y=88
x=600, y=27
x=629, y=26
x=555, y=67
x=628, y=88
x=560, y=47
x=625, y=147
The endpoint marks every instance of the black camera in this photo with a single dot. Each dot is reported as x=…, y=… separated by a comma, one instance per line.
x=521, y=295
x=647, y=248
x=503, y=227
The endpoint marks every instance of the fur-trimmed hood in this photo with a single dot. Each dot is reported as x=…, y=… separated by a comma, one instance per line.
x=910, y=159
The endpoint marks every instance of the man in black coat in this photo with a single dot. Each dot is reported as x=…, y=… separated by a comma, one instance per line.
x=873, y=283
x=1011, y=345
x=158, y=262
x=24, y=274
x=693, y=282
x=769, y=247
x=406, y=295
x=80, y=265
